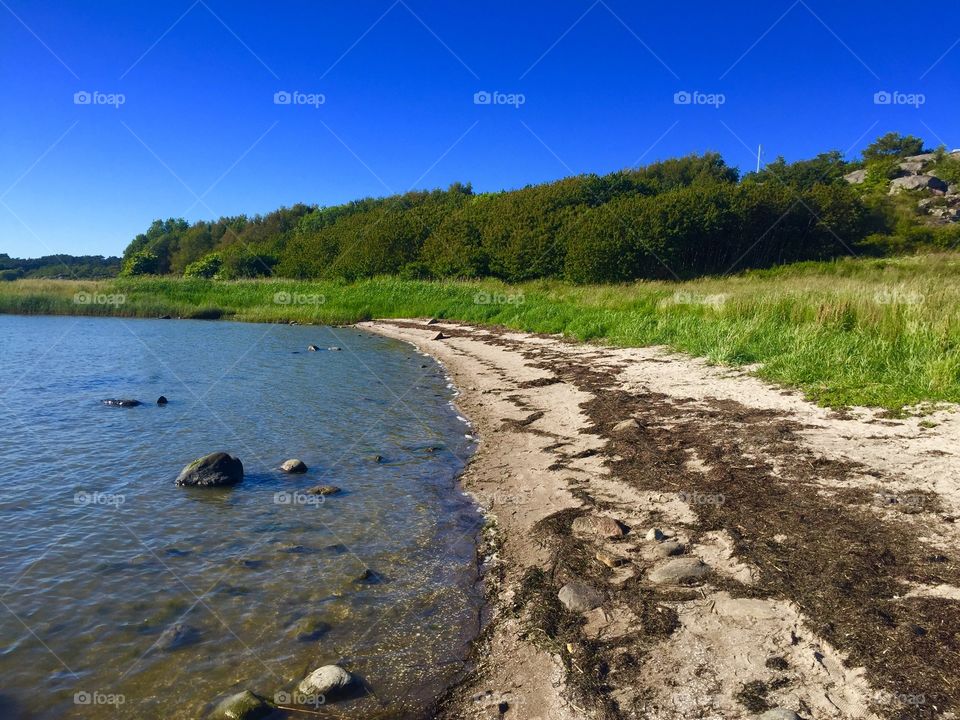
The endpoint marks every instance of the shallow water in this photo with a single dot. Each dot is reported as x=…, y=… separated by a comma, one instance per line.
x=101, y=553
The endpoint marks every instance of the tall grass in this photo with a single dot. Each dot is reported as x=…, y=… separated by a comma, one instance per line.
x=851, y=332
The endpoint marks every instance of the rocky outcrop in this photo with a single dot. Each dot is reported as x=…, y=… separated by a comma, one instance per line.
x=215, y=470
x=857, y=177
x=918, y=182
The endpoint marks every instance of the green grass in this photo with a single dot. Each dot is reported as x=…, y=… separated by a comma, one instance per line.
x=882, y=333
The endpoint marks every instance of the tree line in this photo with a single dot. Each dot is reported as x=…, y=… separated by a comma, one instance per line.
x=677, y=218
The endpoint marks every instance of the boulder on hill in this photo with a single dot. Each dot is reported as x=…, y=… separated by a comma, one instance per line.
x=918, y=182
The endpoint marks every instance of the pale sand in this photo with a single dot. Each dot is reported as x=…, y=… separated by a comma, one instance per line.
x=721, y=642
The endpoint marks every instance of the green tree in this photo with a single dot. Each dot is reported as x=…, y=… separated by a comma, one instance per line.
x=893, y=145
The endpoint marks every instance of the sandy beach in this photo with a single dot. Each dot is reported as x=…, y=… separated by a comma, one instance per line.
x=674, y=540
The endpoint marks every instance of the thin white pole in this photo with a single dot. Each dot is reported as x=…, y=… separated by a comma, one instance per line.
x=759, y=150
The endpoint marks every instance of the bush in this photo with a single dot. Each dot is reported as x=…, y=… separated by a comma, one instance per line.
x=207, y=267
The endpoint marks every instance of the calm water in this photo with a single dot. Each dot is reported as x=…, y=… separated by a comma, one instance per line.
x=100, y=553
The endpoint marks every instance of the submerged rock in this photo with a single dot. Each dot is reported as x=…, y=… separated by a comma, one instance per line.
x=310, y=629
x=294, y=466
x=327, y=681
x=368, y=577
x=242, y=706
x=579, y=597
x=112, y=402
x=214, y=470
x=177, y=636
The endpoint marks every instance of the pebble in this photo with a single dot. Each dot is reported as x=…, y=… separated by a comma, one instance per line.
x=655, y=534
x=323, y=490
x=626, y=425
x=669, y=549
x=609, y=559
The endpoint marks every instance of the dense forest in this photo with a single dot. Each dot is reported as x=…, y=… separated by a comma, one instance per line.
x=677, y=218
x=83, y=267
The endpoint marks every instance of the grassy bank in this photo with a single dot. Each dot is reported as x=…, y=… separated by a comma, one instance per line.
x=852, y=332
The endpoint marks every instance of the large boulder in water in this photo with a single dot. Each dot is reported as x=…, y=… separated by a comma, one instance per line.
x=213, y=470
x=294, y=466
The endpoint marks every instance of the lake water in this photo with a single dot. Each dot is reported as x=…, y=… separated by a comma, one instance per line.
x=100, y=553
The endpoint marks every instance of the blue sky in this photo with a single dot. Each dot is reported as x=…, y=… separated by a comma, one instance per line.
x=198, y=133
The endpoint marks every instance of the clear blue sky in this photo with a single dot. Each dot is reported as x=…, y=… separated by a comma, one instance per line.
x=398, y=78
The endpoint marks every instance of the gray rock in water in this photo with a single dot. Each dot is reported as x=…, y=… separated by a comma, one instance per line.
x=579, y=597
x=294, y=466
x=680, y=571
x=323, y=490
x=334, y=349
x=162, y=400
x=313, y=348
x=242, y=706
x=112, y=402
x=214, y=470
x=177, y=636
x=780, y=713
x=918, y=182
x=327, y=681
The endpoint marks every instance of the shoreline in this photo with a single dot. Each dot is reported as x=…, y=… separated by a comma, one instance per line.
x=585, y=450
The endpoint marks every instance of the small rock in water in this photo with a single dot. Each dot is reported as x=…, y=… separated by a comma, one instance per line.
x=655, y=534
x=368, y=577
x=323, y=490
x=242, y=706
x=163, y=317
x=780, y=713
x=333, y=349
x=312, y=348
x=177, y=636
x=294, y=466
x=600, y=525
x=213, y=470
x=579, y=597
x=121, y=403
x=327, y=681
x=162, y=400
x=378, y=458
x=679, y=571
